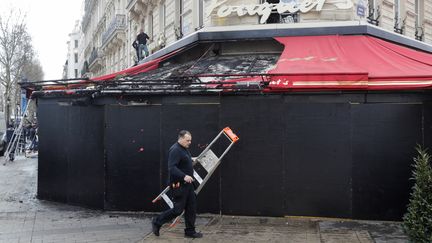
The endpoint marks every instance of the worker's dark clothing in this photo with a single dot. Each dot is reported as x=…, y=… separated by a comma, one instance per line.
x=179, y=163
x=136, y=47
x=142, y=45
x=142, y=38
x=184, y=198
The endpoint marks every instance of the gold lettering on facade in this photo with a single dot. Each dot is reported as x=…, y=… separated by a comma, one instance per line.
x=264, y=10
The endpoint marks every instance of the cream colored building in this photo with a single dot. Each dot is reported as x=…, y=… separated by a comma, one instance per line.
x=104, y=28
x=412, y=18
x=110, y=26
x=72, y=66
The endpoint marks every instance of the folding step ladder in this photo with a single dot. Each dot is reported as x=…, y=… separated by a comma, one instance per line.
x=16, y=138
x=204, y=165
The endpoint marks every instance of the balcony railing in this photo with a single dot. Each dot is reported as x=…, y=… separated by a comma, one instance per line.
x=129, y=3
x=93, y=56
x=84, y=69
x=118, y=23
x=89, y=4
x=419, y=33
x=374, y=15
x=85, y=22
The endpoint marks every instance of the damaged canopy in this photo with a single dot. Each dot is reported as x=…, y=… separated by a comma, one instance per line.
x=297, y=63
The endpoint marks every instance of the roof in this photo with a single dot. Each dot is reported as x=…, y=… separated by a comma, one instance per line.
x=344, y=57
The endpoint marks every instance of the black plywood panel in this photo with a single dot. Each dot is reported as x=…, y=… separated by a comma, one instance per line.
x=202, y=121
x=384, y=137
x=252, y=173
x=296, y=155
x=85, y=151
x=53, y=121
x=132, y=157
x=317, y=159
x=427, y=125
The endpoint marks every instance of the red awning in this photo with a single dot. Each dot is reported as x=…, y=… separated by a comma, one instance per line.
x=333, y=62
x=349, y=62
x=141, y=68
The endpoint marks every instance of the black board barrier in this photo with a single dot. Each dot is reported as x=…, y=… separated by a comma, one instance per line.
x=332, y=155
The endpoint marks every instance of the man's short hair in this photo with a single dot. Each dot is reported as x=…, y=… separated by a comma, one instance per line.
x=182, y=133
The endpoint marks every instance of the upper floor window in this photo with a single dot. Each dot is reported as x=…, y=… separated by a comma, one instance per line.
x=179, y=28
x=275, y=17
x=162, y=17
x=76, y=57
x=398, y=22
x=150, y=25
x=200, y=14
x=374, y=13
x=397, y=9
x=76, y=43
x=419, y=11
x=181, y=2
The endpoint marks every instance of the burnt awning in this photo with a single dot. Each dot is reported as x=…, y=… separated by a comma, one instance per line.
x=295, y=63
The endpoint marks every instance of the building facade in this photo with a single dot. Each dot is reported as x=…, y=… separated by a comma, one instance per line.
x=110, y=26
x=72, y=64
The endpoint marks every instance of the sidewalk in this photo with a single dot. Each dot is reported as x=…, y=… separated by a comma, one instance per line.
x=267, y=229
x=23, y=218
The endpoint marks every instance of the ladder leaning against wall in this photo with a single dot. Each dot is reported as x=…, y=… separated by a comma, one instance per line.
x=16, y=145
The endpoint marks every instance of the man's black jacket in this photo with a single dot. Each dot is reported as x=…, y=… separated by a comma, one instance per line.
x=142, y=38
x=179, y=163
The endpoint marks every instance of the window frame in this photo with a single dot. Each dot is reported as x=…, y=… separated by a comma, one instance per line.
x=150, y=25
x=397, y=13
x=418, y=12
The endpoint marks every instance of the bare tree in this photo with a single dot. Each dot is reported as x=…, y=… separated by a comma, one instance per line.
x=16, y=52
x=32, y=71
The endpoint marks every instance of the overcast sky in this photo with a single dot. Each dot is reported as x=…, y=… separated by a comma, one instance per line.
x=49, y=23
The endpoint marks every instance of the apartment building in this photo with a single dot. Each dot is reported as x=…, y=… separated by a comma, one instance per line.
x=110, y=26
x=72, y=66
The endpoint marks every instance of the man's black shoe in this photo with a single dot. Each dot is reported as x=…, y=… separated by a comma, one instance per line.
x=155, y=229
x=194, y=235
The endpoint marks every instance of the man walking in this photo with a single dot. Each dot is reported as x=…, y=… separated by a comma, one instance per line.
x=142, y=44
x=180, y=179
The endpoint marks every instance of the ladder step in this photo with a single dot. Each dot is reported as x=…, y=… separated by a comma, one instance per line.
x=197, y=177
x=208, y=160
x=168, y=200
x=200, y=170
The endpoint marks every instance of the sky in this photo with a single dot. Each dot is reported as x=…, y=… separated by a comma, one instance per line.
x=49, y=23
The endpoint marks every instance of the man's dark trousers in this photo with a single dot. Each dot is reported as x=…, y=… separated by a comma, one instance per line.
x=184, y=198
